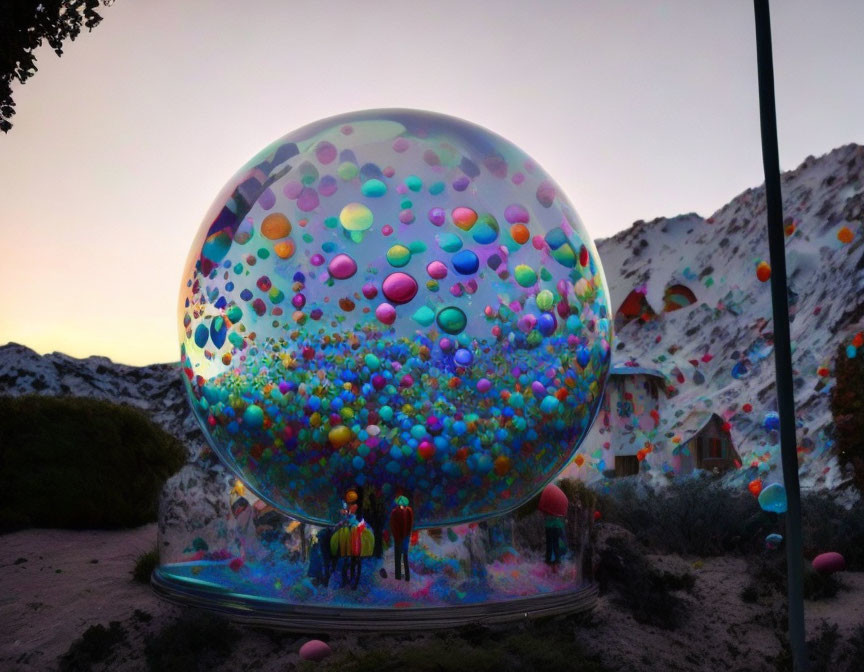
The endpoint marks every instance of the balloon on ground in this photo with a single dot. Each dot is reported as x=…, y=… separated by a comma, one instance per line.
x=828, y=563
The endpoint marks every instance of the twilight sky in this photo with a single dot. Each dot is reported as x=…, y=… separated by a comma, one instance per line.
x=637, y=108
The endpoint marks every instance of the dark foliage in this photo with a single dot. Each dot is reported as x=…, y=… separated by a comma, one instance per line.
x=195, y=641
x=700, y=517
x=826, y=651
x=577, y=491
x=144, y=566
x=645, y=591
x=847, y=407
x=24, y=25
x=829, y=526
x=749, y=594
x=541, y=645
x=81, y=463
x=768, y=578
x=855, y=652
x=94, y=646
x=696, y=516
x=822, y=650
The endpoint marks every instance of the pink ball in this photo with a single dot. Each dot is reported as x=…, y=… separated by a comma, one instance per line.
x=315, y=650
x=553, y=501
x=828, y=563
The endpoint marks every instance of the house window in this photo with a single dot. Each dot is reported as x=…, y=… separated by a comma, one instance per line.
x=626, y=465
x=713, y=449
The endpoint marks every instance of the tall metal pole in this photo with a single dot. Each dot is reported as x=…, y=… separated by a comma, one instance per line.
x=782, y=347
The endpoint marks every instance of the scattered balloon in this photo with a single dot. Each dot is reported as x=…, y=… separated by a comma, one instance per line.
x=763, y=271
x=773, y=498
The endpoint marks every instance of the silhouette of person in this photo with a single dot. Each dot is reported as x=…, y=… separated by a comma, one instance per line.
x=401, y=525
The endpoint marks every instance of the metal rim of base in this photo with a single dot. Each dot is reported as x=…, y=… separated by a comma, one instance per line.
x=273, y=613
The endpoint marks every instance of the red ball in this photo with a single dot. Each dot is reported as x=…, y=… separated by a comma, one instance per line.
x=553, y=501
x=426, y=450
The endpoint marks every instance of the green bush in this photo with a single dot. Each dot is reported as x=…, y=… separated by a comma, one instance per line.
x=94, y=646
x=645, y=591
x=144, y=566
x=825, y=651
x=855, y=653
x=699, y=516
x=749, y=594
x=768, y=578
x=81, y=463
x=550, y=646
x=577, y=491
x=693, y=516
x=195, y=641
x=847, y=408
x=830, y=526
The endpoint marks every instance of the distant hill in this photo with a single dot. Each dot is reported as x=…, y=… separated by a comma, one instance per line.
x=156, y=389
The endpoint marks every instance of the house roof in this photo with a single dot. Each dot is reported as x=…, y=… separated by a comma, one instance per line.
x=623, y=370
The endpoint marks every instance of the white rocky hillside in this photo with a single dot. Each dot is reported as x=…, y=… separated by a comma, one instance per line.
x=718, y=351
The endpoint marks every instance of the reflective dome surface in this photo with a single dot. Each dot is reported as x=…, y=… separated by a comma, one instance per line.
x=399, y=301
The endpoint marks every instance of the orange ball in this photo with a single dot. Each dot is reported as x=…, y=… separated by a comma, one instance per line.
x=502, y=465
x=755, y=487
x=845, y=235
x=520, y=233
x=285, y=249
x=763, y=271
x=275, y=226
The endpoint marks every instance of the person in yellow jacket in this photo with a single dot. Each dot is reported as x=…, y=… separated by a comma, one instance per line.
x=352, y=541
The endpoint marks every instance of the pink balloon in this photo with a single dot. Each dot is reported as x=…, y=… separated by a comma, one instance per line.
x=315, y=650
x=828, y=563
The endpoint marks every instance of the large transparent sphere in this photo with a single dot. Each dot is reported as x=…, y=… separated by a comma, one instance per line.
x=397, y=301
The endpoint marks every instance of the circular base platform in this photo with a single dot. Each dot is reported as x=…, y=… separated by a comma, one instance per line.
x=275, y=613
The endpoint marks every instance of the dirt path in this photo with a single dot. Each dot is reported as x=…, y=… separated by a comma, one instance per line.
x=54, y=584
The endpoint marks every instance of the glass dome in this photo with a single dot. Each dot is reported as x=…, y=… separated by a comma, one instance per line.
x=399, y=302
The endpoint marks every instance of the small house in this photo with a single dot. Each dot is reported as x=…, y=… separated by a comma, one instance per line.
x=710, y=448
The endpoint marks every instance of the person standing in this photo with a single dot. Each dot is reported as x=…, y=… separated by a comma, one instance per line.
x=554, y=531
x=553, y=505
x=401, y=525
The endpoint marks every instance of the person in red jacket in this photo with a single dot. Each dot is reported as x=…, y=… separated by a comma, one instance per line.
x=401, y=524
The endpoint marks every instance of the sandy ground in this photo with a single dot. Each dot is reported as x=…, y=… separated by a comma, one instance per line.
x=54, y=584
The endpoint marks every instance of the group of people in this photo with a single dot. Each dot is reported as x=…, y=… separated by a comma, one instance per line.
x=351, y=540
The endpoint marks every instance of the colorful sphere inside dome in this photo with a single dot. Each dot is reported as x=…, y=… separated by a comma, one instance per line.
x=397, y=301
